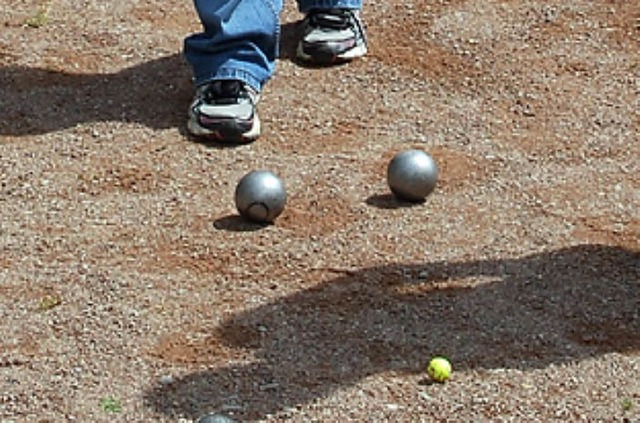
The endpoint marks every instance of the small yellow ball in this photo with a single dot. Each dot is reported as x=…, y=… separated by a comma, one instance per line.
x=439, y=369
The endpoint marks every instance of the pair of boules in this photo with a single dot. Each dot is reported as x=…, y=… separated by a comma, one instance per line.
x=261, y=196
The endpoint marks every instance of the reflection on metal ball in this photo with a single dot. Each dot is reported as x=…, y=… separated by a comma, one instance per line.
x=260, y=196
x=412, y=175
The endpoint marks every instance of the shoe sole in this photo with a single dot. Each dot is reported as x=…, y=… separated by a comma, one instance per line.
x=353, y=53
x=229, y=134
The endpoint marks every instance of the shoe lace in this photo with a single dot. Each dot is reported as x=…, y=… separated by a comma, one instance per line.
x=335, y=19
x=225, y=92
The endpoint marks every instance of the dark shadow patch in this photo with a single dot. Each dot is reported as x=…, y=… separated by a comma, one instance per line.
x=428, y=382
x=523, y=313
x=37, y=100
x=236, y=223
x=290, y=34
x=390, y=202
x=211, y=143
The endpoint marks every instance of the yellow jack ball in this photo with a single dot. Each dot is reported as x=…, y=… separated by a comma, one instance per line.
x=439, y=369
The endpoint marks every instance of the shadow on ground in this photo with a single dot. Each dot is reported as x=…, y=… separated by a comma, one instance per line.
x=390, y=202
x=155, y=93
x=524, y=313
x=37, y=101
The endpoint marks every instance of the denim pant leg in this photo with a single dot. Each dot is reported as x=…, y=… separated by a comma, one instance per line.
x=306, y=5
x=239, y=41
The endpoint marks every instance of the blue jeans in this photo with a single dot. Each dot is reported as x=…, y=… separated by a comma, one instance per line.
x=240, y=38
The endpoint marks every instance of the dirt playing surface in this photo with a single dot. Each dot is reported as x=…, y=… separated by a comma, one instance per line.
x=131, y=291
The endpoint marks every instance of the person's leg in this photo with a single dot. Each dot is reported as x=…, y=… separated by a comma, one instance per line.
x=239, y=41
x=332, y=31
x=231, y=60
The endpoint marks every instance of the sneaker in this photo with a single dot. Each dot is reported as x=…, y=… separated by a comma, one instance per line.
x=332, y=35
x=225, y=110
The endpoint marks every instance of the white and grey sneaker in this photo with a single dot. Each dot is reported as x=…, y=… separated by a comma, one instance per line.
x=225, y=111
x=332, y=35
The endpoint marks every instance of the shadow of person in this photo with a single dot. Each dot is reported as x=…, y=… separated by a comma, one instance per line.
x=36, y=101
x=156, y=94
x=529, y=312
x=290, y=33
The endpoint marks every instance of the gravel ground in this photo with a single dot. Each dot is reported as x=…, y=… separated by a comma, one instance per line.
x=131, y=291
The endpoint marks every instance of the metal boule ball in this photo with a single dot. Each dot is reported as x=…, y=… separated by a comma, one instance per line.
x=260, y=196
x=412, y=175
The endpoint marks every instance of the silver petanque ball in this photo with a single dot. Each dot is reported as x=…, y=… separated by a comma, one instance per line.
x=260, y=196
x=412, y=175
